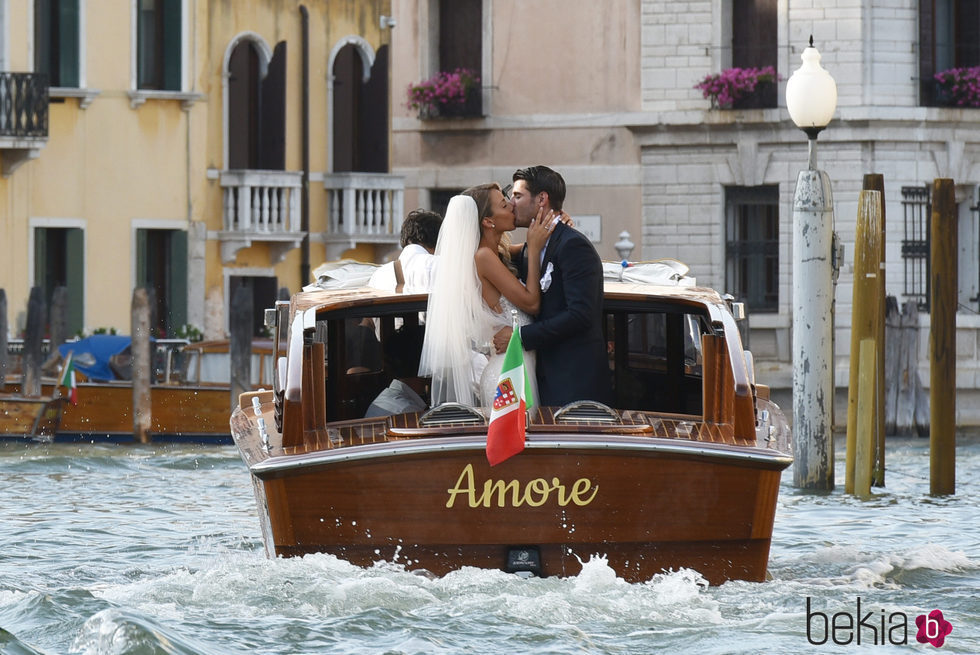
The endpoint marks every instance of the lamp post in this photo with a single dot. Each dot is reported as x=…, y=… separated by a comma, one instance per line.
x=811, y=98
x=623, y=248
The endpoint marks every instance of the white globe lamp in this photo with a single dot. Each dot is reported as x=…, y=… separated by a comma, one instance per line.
x=811, y=97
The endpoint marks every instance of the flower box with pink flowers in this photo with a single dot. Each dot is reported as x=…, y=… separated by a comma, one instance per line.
x=447, y=94
x=741, y=88
x=958, y=87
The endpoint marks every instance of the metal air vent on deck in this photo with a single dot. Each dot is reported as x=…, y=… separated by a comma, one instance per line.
x=586, y=410
x=452, y=413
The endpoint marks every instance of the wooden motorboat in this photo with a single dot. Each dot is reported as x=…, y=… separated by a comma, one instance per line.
x=190, y=394
x=682, y=472
x=23, y=417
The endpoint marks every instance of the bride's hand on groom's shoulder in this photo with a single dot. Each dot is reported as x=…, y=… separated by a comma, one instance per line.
x=566, y=219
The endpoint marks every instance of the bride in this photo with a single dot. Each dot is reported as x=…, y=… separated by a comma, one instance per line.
x=474, y=292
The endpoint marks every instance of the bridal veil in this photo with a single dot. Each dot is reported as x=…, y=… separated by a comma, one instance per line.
x=458, y=325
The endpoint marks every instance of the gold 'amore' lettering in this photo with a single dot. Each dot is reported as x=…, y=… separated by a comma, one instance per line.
x=533, y=493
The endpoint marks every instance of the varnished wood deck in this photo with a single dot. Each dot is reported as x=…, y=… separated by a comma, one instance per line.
x=541, y=424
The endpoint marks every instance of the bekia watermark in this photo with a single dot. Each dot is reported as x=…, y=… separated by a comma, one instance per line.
x=873, y=627
x=933, y=628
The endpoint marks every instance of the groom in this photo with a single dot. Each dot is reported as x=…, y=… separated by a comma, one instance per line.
x=567, y=333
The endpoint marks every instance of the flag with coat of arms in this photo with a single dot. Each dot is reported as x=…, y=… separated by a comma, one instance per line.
x=68, y=379
x=505, y=435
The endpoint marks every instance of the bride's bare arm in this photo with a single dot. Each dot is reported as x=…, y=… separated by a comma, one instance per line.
x=492, y=271
x=494, y=275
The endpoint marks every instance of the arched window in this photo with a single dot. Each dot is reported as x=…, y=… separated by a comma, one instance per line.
x=359, y=107
x=256, y=104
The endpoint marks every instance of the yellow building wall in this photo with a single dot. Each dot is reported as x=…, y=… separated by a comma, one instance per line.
x=111, y=167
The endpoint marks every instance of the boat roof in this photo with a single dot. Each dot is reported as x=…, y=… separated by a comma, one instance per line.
x=324, y=301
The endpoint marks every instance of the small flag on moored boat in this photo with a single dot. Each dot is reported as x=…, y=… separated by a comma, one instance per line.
x=505, y=435
x=68, y=379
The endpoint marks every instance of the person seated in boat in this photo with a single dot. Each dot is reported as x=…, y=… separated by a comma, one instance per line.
x=363, y=347
x=414, y=266
x=401, y=357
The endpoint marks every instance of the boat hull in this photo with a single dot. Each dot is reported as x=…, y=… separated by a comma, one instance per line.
x=104, y=412
x=646, y=505
x=30, y=418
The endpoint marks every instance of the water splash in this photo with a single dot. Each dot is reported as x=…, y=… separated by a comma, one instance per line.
x=117, y=632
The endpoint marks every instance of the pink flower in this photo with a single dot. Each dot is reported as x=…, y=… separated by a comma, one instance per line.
x=961, y=86
x=731, y=84
x=443, y=88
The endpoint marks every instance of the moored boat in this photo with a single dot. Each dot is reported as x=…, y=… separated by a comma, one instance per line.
x=36, y=419
x=682, y=470
x=190, y=392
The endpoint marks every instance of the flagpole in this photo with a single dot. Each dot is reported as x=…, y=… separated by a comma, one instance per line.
x=508, y=413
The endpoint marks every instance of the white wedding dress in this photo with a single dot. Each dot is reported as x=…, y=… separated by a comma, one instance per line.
x=459, y=326
x=491, y=373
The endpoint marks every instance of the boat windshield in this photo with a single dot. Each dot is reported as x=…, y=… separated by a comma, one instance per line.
x=655, y=358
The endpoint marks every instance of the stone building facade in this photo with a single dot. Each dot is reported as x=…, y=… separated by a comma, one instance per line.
x=617, y=111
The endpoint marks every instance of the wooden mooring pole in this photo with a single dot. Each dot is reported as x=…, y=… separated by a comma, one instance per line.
x=942, y=339
x=876, y=182
x=142, y=366
x=866, y=420
x=58, y=322
x=36, y=318
x=3, y=338
x=240, y=347
x=865, y=317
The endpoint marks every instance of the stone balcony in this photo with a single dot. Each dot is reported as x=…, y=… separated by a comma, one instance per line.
x=260, y=207
x=363, y=208
x=23, y=118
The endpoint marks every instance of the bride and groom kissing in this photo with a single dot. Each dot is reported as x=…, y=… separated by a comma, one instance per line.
x=553, y=283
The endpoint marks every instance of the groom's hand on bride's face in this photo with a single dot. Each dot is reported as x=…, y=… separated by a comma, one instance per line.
x=501, y=339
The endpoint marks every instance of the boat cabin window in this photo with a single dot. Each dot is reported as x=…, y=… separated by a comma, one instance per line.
x=656, y=360
x=376, y=350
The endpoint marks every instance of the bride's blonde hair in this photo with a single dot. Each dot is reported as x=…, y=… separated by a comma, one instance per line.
x=481, y=195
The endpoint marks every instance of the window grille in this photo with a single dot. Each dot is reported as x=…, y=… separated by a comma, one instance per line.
x=975, y=210
x=752, y=246
x=917, y=212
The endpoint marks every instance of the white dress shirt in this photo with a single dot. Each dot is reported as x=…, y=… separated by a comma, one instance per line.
x=418, y=267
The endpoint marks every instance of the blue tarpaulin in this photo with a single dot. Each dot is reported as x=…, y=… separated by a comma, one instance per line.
x=91, y=354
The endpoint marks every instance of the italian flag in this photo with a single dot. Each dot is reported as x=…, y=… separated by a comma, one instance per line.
x=68, y=379
x=505, y=436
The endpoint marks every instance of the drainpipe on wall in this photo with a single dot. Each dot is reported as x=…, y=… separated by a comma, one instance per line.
x=304, y=267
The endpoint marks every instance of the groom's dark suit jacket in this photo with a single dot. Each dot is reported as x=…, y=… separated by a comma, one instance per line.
x=571, y=351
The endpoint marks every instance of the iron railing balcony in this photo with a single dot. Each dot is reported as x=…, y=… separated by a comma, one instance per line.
x=260, y=206
x=23, y=118
x=363, y=208
x=24, y=105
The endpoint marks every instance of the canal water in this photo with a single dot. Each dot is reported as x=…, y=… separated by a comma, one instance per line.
x=125, y=550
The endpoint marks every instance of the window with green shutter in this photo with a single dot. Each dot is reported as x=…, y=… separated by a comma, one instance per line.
x=161, y=268
x=158, y=55
x=59, y=262
x=56, y=41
